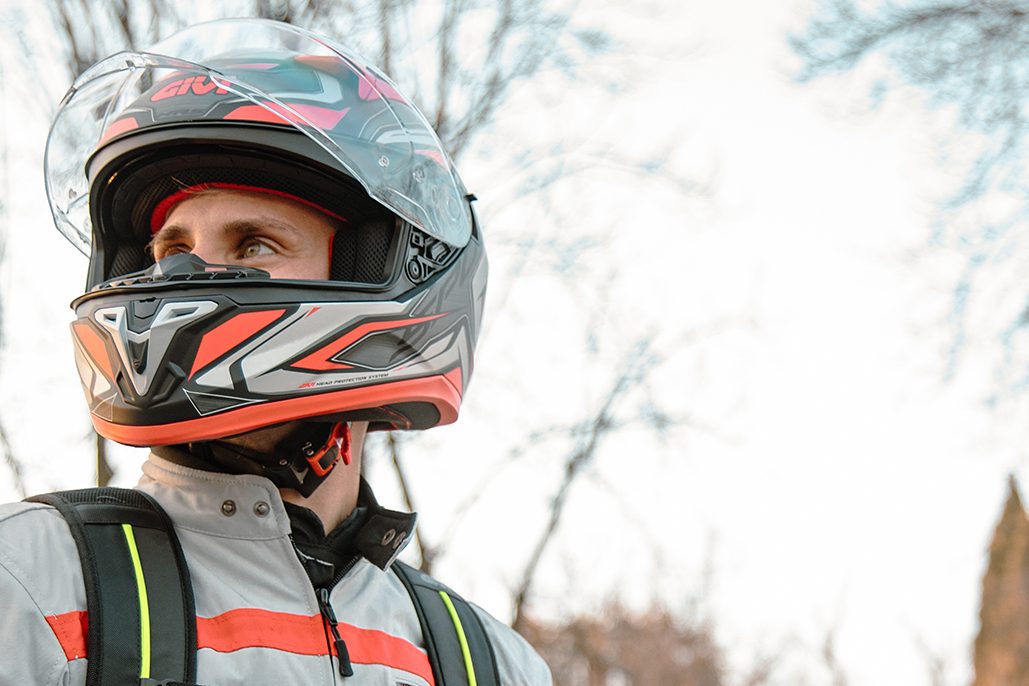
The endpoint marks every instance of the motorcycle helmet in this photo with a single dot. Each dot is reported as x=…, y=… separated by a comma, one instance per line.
x=181, y=351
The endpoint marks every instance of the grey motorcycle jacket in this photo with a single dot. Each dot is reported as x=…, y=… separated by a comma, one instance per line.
x=257, y=610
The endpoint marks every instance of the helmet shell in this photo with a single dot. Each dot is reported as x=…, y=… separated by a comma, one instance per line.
x=184, y=351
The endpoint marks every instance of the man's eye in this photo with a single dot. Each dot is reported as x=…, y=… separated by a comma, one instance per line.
x=162, y=251
x=255, y=249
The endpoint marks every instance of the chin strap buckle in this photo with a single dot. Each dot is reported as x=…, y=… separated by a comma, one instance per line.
x=336, y=448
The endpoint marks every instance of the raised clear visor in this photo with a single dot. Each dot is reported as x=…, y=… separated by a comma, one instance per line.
x=335, y=98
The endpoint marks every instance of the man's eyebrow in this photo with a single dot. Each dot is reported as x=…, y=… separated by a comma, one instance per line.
x=245, y=227
x=252, y=225
x=169, y=232
x=166, y=234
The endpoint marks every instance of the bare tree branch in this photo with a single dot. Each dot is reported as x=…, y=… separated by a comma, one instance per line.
x=386, y=32
x=935, y=664
x=500, y=76
x=832, y=663
x=64, y=19
x=12, y=463
x=761, y=670
x=10, y=459
x=637, y=364
x=121, y=9
x=103, y=465
x=444, y=75
x=425, y=552
x=969, y=56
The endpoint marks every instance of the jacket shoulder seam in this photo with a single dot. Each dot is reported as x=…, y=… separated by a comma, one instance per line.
x=60, y=662
x=29, y=508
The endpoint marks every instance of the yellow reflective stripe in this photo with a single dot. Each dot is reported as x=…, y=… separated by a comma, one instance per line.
x=144, y=606
x=460, y=637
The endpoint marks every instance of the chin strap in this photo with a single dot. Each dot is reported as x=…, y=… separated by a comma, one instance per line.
x=333, y=449
x=302, y=460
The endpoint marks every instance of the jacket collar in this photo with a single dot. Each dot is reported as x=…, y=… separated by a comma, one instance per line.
x=385, y=533
x=250, y=507
x=227, y=505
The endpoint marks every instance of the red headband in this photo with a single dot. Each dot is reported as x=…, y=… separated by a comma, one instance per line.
x=164, y=208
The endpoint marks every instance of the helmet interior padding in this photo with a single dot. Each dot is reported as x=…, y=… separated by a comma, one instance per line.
x=134, y=189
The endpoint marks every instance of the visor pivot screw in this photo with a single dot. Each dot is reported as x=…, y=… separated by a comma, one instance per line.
x=261, y=508
x=283, y=463
x=383, y=161
x=228, y=508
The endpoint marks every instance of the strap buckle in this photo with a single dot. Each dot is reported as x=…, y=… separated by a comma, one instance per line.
x=336, y=447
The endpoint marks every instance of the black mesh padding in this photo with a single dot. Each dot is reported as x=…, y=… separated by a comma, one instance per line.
x=344, y=252
x=146, y=200
x=359, y=253
x=373, y=240
x=130, y=257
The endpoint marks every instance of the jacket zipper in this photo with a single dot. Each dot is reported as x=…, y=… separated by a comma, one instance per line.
x=345, y=667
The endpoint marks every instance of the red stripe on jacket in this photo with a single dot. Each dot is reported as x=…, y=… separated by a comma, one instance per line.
x=255, y=628
x=71, y=630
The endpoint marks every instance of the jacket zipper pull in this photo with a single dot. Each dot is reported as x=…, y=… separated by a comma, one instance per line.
x=345, y=668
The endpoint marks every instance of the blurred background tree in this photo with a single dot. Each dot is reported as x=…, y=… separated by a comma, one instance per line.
x=9, y=459
x=1001, y=653
x=969, y=60
x=622, y=646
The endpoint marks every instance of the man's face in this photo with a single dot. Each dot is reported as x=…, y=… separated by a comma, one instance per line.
x=283, y=237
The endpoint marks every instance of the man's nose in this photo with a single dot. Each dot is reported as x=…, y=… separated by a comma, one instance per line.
x=212, y=252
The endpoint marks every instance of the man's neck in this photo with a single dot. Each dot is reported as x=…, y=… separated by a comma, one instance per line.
x=336, y=497
x=333, y=500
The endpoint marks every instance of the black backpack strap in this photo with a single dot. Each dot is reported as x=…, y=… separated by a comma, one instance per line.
x=459, y=649
x=139, y=599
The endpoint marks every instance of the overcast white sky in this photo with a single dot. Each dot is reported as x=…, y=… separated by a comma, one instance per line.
x=831, y=479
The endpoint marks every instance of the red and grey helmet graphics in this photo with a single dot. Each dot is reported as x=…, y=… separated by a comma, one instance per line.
x=183, y=351
x=237, y=351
